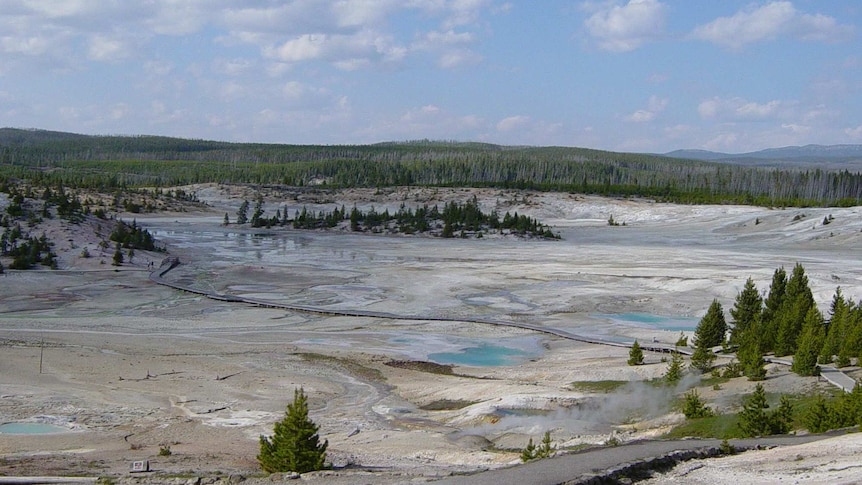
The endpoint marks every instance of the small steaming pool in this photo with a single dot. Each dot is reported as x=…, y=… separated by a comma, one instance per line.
x=658, y=322
x=483, y=355
x=31, y=428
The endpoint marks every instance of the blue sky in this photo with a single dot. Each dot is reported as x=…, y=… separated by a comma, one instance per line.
x=625, y=75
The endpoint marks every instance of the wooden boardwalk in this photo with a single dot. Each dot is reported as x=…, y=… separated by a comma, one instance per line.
x=171, y=263
x=829, y=373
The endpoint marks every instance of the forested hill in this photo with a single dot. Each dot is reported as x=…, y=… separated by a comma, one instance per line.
x=111, y=162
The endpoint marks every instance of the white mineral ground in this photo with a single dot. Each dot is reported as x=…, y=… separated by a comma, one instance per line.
x=130, y=367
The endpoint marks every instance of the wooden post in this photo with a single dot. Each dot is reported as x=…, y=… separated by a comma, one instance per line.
x=41, y=352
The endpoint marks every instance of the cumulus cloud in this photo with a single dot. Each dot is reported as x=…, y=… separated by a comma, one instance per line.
x=452, y=48
x=655, y=105
x=108, y=48
x=621, y=28
x=739, y=109
x=463, y=12
x=512, y=123
x=347, y=52
x=769, y=22
x=348, y=34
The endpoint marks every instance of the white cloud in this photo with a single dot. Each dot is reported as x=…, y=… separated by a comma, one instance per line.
x=118, y=111
x=796, y=129
x=450, y=37
x=302, y=48
x=459, y=57
x=512, y=123
x=739, y=109
x=107, y=48
x=769, y=22
x=854, y=133
x=655, y=105
x=299, y=94
x=450, y=46
x=232, y=67
x=358, y=13
x=621, y=28
x=464, y=12
x=347, y=52
x=677, y=131
x=423, y=114
x=347, y=34
x=722, y=142
x=27, y=45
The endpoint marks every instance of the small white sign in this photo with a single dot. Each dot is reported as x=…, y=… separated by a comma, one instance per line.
x=140, y=466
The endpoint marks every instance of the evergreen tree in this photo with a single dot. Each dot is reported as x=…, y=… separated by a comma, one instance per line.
x=791, y=315
x=636, y=354
x=836, y=331
x=848, y=407
x=746, y=309
x=242, y=213
x=819, y=417
x=257, y=215
x=545, y=449
x=226, y=219
x=295, y=445
x=810, y=343
x=781, y=420
x=674, y=369
x=852, y=344
x=355, y=218
x=702, y=359
x=528, y=453
x=711, y=329
x=753, y=420
x=770, y=309
x=750, y=354
x=118, y=256
x=693, y=407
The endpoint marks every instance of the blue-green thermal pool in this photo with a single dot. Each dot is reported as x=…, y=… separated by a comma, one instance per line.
x=31, y=428
x=483, y=355
x=658, y=322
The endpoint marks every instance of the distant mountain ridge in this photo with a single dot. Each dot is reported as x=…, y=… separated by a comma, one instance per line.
x=788, y=153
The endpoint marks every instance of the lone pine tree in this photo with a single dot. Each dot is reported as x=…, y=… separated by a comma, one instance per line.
x=294, y=445
x=636, y=354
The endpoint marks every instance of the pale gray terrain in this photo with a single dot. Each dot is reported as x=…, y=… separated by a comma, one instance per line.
x=130, y=367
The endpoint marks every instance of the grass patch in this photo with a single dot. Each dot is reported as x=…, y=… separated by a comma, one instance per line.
x=723, y=426
x=608, y=386
x=710, y=381
x=597, y=386
x=422, y=366
x=447, y=405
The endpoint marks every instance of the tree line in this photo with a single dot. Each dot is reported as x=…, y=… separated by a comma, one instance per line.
x=108, y=163
x=455, y=219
